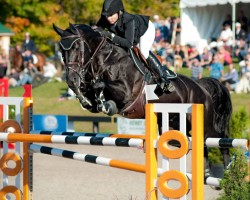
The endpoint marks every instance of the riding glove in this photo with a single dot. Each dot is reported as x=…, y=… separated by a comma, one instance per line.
x=108, y=35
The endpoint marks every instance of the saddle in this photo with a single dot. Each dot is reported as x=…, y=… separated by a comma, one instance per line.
x=143, y=67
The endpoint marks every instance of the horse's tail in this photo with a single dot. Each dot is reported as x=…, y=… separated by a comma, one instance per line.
x=222, y=104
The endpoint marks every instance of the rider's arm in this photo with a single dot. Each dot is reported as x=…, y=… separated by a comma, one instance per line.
x=128, y=40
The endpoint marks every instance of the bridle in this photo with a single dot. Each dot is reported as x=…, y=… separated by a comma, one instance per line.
x=83, y=67
x=80, y=68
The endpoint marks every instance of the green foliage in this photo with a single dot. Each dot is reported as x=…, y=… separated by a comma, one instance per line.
x=37, y=16
x=239, y=124
x=239, y=127
x=234, y=184
x=214, y=156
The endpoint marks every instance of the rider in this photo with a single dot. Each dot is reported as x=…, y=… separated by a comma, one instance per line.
x=28, y=43
x=128, y=30
x=28, y=49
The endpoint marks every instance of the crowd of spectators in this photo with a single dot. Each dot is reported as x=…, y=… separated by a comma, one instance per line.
x=220, y=56
x=30, y=74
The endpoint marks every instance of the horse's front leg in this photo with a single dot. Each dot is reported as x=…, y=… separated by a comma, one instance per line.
x=107, y=107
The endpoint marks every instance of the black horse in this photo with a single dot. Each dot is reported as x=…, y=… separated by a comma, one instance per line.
x=105, y=79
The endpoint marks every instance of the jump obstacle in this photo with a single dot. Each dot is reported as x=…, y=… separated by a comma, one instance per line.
x=156, y=178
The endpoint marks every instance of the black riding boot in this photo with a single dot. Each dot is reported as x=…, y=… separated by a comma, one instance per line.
x=164, y=84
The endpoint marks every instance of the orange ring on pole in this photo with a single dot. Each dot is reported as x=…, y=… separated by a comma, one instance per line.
x=12, y=190
x=10, y=123
x=173, y=153
x=13, y=157
x=169, y=192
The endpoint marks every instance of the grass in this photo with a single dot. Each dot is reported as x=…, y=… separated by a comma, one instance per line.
x=46, y=101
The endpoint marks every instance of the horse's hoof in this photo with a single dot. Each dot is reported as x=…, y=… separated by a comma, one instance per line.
x=110, y=108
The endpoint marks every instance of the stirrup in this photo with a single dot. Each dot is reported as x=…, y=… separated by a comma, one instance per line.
x=164, y=87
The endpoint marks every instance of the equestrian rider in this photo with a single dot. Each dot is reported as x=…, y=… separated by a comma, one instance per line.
x=128, y=30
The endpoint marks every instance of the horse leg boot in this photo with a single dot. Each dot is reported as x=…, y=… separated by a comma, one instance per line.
x=164, y=84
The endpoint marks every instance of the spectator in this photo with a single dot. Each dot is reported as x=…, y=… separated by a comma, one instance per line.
x=168, y=53
x=4, y=61
x=170, y=66
x=240, y=34
x=193, y=55
x=168, y=23
x=178, y=51
x=24, y=78
x=156, y=21
x=164, y=30
x=196, y=69
x=226, y=36
x=224, y=56
x=176, y=35
x=228, y=20
x=67, y=95
x=13, y=77
x=213, y=47
x=27, y=58
x=28, y=44
x=244, y=83
x=179, y=58
x=158, y=35
x=230, y=79
x=216, y=68
x=241, y=50
x=242, y=19
x=244, y=64
x=31, y=75
x=49, y=69
x=206, y=58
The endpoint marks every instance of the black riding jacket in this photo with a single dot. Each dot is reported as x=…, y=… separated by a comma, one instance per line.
x=128, y=28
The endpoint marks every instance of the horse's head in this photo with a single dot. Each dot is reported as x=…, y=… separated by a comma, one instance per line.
x=15, y=58
x=78, y=47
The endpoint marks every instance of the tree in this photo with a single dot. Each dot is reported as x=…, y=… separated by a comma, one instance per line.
x=37, y=16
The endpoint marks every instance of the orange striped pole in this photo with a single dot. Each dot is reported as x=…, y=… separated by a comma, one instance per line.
x=127, y=165
x=27, y=186
x=197, y=152
x=17, y=137
x=151, y=152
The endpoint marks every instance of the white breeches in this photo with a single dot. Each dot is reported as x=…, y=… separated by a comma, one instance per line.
x=147, y=40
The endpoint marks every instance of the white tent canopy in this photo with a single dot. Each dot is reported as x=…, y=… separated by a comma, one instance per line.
x=202, y=20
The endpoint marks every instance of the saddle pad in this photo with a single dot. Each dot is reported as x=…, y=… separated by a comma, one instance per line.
x=35, y=59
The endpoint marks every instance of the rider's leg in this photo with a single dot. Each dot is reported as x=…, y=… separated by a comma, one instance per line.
x=156, y=66
x=146, y=42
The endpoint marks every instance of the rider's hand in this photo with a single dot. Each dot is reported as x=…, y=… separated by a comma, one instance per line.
x=108, y=35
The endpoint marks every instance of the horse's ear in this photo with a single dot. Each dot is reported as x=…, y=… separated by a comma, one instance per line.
x=72, y=27
x=58, y=30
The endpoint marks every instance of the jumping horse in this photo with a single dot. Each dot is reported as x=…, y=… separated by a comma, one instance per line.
x=105, y=79
x=16, y=60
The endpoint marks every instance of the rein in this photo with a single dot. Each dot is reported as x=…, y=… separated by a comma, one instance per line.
x=90, y=61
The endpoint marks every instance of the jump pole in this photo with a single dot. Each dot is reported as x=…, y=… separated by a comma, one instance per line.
x=27, y=158
x=197, y=152
x=151, y=152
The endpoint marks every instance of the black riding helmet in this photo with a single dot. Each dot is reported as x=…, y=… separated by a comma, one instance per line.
x=111, y=7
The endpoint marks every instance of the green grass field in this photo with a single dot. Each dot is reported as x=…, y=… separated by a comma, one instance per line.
x=46, y=101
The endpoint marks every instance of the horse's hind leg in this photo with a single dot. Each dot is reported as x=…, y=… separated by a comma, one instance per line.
x=225, y=155
x=159, y=122
x=207, y=171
